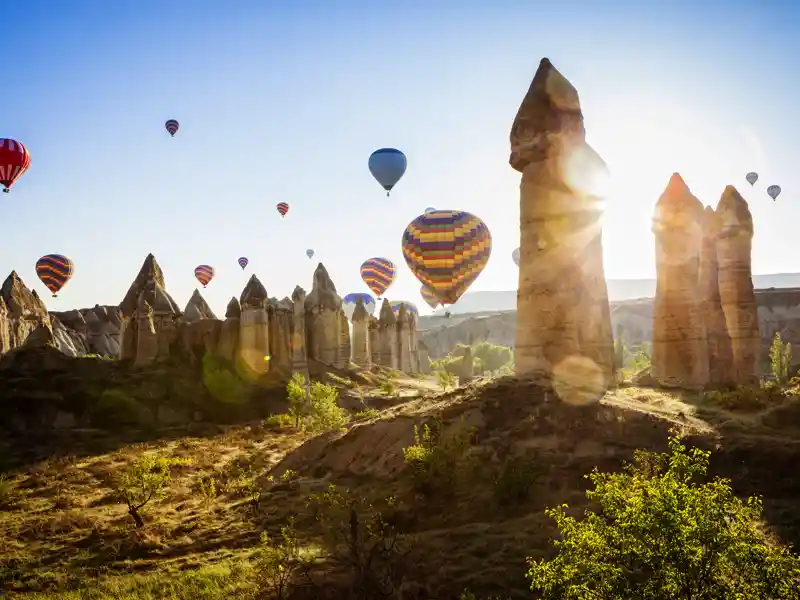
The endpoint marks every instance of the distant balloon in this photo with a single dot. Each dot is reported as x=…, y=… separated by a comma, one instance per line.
x=774, y=191
x=54, y=270
x=378, y=273
x=751, y=177
x=309, y=253
x=14, y=161
x=515, y=256
x=430, y=209
x=283, y=208
x=447, y=250
x=410, y=306
x=429, y=296
x=350, y=301
x=204, y=274
x=172, y=126
x=387, y=166
x=243, y=262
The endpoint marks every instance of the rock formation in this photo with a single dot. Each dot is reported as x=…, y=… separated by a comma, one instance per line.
x=736, y=283
x=720, y=358
x=326, y=324
x=403, y=340
x=387, y=337
x=197, y=308
x=680, y=349
x=229, y=333
x=298, y=333
x=253, y=353
x=362, y=353
x=563, y=320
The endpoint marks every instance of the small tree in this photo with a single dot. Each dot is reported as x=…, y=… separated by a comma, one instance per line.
x=660, y=535
x=297, y=390
x=143, y=480
x=780, y=358
x=445, y=379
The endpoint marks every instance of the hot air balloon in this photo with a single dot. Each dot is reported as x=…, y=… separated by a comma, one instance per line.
x=350, y=301
x=55, y=270
x=447, y=250
x=204, y=274
x=430, y=209
x=283, y=208
x=243, y=262
x=387, y=166
x=751, y=177
x=774, y=191
x=515, y=256
x=378, y=273
x=309, y=253
x=428, y=295
x=14, y=161
x=172, y=126
x=410, y=306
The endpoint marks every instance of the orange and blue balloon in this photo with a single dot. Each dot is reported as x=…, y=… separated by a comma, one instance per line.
x=378, y=273
x=447, y=250
x=204, y=274
x=54, y=270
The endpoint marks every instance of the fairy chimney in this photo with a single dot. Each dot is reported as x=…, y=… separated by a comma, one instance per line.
x=253, y=352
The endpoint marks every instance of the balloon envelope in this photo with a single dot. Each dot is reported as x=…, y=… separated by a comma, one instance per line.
x=410, y=306
x=283, y=208
x=515, y=256
x=447, y=250
x=429, y=296
x=204, y=274
x=751, y=177
x=350, y=301
x=54, y=270
x=430, y=209
x=172, y=126
x=774, y=191
x=14, y=161
x=243, y=262
x=387, y=166
x=378, y=273
x=309, y=253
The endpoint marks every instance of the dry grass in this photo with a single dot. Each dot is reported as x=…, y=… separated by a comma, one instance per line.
x=62, y=525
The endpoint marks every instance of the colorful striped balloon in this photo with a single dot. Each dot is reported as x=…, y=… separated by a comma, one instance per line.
x=378, y=273
x=283, y=208
x=55, y=270
x=410, y=306
x=243, y=262
x=429, y=296
x=204, y=274
x=172, y=126
x=447, y=250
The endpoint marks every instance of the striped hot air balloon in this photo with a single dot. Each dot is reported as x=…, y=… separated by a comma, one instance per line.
x=410, y=306
x=447, y=250
x=429, y=296
x=172, y=126
x=350, y=301
x=283, y=208
x=243, y=262
x=14, y=161
x=54, y=270
x=204, y=274
x=378, y=273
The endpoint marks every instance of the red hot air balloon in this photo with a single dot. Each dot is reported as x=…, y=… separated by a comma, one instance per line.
x=14, y=161
x=283, y=208
x=55, y=270
x=172, y=126
x=204, y=274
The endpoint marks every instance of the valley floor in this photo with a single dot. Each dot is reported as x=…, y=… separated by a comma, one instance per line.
x=62, y=526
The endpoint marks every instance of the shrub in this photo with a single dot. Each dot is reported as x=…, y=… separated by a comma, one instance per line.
x=117, y=408
x=367, y=413
x=279, y=561
x=513, y=484
x=280, y=421
x=660, y=534
x=445, y=379
x=780, y=358
x=145, y=479
x=208, y=490
x=314, y=407
x=435, y=460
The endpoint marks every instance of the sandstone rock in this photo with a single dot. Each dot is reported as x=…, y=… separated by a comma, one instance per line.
x=736, y=283
x=403, y=340
x=680, y=347
x=23, y=312
x=323, y=291
x=362, y=353
x=229, y=332
x=67, y=340
x=253, y=352
x=298, y=333
x=327, y=329
x=387, y=336
x=150, y=282
x=466, y=369
x=720, y=357
x=563, y=322
x=197, y=308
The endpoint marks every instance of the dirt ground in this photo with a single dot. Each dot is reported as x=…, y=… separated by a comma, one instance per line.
x=63, y=525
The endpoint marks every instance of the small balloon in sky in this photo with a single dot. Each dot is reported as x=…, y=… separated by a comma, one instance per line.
x=283, y=208
x=172, y=126
x=387, y=166
x=774, y=191
x=751, y=177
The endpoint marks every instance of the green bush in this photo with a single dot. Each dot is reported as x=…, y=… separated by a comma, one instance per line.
x=780, y=358
x=314, y=408
x=117, y=408
x=514, y=482
x=660, y=534
x=436, y=459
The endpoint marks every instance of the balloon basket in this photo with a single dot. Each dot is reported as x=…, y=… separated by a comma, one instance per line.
x=6, y=190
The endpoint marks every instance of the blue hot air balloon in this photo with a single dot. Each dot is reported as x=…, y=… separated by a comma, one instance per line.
x=387, y=166
x=350, y=301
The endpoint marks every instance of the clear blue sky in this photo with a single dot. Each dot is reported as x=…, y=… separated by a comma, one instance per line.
x=284, y=101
